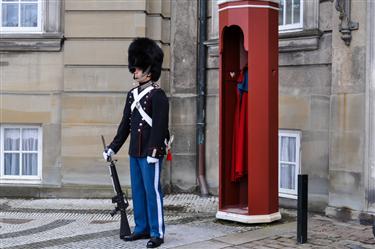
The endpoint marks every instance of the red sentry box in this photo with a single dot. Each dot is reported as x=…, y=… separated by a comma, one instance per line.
x=251, y=26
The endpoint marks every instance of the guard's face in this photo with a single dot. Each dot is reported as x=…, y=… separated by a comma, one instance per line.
x=139, y=76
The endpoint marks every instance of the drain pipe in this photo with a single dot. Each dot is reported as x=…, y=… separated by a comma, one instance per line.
x=201, y=101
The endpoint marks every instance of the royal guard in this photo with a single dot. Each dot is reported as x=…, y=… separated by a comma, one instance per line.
x=145, y=118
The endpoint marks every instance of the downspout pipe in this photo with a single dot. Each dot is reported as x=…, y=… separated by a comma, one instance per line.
x=201, y=101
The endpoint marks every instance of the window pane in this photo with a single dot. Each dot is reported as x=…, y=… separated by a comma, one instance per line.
x=30, y=164
x=296, y=11
x=11, y=139
x=288, y=149
x=288, y=9
x=10, y=15
x=11, y=163
x=29, y=15
x=281, y=12
x=30, y=139
x=287, y=176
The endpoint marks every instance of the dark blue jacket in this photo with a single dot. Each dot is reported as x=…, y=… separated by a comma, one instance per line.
x=144, y=139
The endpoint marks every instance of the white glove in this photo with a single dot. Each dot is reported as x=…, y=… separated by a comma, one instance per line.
x=108, y=154
x=152, y=160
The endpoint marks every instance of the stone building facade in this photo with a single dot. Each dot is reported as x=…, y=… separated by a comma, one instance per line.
x=70, y=80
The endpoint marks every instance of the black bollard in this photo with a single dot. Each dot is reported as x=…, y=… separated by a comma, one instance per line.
x=302, y=209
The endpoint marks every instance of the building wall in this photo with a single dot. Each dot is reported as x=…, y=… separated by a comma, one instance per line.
x=212, y=118
x=183, y=93
x=304, y=96
x=369, y=169
x=304, y=105
x=96, y=80
x=321, y=94
x=347, y=126
x=77, y=94
x=31, y=87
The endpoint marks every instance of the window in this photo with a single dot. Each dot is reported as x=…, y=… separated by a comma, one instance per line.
x=21, y=152
x=31, y=25
x=291, y=15
x=20, y=16
x=289, y=163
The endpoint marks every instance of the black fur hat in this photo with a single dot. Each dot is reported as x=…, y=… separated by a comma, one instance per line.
x=145, y=53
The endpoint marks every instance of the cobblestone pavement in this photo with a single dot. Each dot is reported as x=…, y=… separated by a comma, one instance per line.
x=190, y=223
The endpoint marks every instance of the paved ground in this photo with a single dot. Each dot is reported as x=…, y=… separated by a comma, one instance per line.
x=190, y=223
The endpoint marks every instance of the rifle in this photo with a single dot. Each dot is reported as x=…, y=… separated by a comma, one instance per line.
x=120, y=198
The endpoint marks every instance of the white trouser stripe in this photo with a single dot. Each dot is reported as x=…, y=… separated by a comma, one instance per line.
x=158, y=202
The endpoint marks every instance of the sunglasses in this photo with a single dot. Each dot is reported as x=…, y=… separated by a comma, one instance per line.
x=132, y=69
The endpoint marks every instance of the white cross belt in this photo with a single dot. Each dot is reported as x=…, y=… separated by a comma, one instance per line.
x=136, y=103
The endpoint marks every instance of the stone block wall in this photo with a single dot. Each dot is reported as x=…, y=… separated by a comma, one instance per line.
x=347, y=126
x=30, y=85
x=305, y=69
x=77, y=91
x=183, y=93
x=96, y=80
x=77, y=94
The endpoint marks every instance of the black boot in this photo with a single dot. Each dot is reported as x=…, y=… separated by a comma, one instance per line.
x=154, y=242
x=134, y=236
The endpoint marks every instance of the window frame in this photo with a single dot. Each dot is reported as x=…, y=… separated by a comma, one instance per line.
x=24, y=30
x=288, y=193
x=295, y=26
x=306, y=38
x=21, y=178
x=49, y=39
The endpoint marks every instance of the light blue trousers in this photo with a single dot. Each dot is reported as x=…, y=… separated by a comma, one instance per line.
x=147, y=197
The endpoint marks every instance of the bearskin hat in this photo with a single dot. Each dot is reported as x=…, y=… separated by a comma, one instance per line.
x=144, y=53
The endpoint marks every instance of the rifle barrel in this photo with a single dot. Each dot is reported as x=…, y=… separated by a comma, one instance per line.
x=103, y=141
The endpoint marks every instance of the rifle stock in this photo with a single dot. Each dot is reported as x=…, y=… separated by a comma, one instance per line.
x=120, y=198
x=124, y=226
